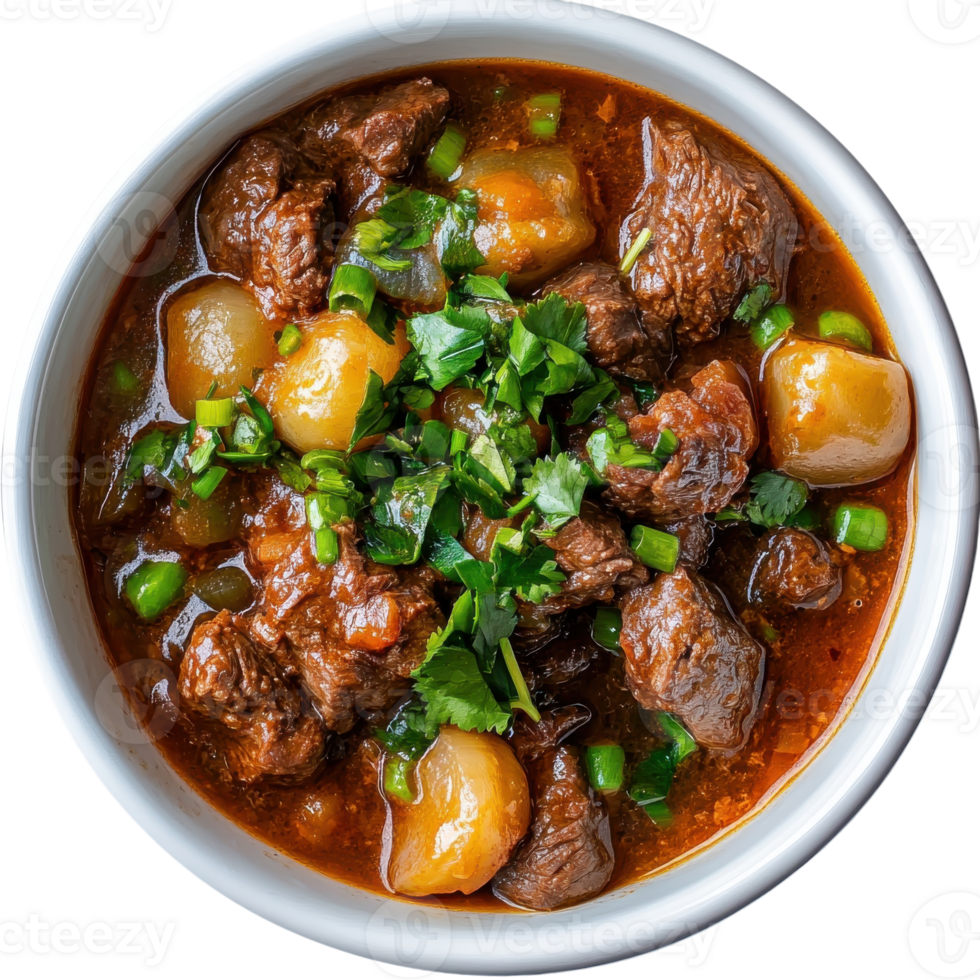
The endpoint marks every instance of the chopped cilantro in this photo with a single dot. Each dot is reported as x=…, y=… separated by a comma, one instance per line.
x=775, y=499
x=409, y=733
x=552, y=318
x=558, y=486
x=753, y=303
x=456, y=692
x=375, y=240
x=454, y=238
x=397, y=523
x=449, y=343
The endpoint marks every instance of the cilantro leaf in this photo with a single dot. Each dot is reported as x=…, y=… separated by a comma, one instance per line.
x=396, y=528
x=382, y=319
x=558, y=486
x=382, y=402
x=600, y=391
x=456, y=692
x=454, y=238
x=497, y=467
x=552, y=318
x=533, y=576
x=526, y=349
x=290, y=471
x=753, y=303
x=475, y=488
x=443, y=552
x=515, y=439
x=485, y=287
x=775, y=499
x=409, y=733
x=449, y=342
x=653, y=777
x=151, y=451
x=495, y=620
x=414, y=213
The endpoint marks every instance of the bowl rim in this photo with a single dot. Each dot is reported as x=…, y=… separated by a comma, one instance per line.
x=22, y=506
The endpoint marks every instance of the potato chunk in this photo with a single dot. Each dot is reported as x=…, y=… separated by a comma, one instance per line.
x=472, y=809
x=313, y=395
x=532, y=211
x=836, y=417
x=215, y=333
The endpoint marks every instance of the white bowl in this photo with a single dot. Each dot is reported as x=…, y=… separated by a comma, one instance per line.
x=743, y=863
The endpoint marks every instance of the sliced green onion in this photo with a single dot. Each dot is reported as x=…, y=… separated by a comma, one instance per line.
x=208, y=481
x=326, y=545
x=396, y=778
x=353, y=288
x=446, y=154
x=214, y=414
x=544, y=114
x=322, y=511
x=861, y=527
x=523, y=700
x=683, y=740
x=325, y=509
x=766, y=329
x=123, y=381
x=318, y=459
x=834, y=325
x=629, y=259
x=154, y=586
x=666, y=446
x=658, y=549
x=291, y=339
x=659, y=813
x=606, y=628
x=605, y=765
x=458, y=441
x=263, y=418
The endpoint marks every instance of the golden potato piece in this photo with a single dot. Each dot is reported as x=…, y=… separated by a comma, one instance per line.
x=836, y=417
x=313, y=395
x=532, y=211
x=472, y=809
x=215, y=333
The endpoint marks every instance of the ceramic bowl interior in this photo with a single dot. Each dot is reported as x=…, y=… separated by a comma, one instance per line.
x=743, y=863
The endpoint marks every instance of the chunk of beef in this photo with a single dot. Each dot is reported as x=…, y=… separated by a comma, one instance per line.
x=696, y=535
x=367, y=138
x=353, y=631
x=686, y=653
x=794, y=568
x=716, y=427
x=564, y=653
x=262, y=219
x=591, y=549
x=616, y=335
x=568, y=854
x=720, y=224
x=264, y=728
